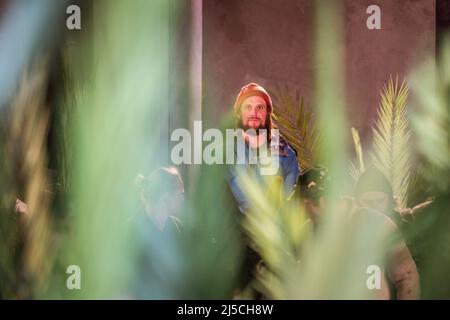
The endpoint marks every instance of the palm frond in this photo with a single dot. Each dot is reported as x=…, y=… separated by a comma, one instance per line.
x=391, y=138
x=296, y=124
x=63, y=116
x=357, y=170
x=276, y=233
x=354, y=172
x=27, y=144
x=431, y=118
x=358, y=148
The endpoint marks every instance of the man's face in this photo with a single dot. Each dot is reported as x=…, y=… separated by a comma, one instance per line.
x=376, y=200
x=174, y=201
x=254, y=113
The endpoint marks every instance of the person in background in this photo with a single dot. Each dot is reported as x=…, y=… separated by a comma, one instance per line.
x=157, y=232
x=253, y=111
x=400, y=277
x=254, y=129
x=373, y=190
x=161, y=197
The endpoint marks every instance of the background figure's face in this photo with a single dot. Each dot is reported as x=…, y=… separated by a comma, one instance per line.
x=377, y=200
x=254, y=113
x=174, y=200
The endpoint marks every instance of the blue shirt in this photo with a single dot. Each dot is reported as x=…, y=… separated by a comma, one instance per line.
x=288, y=170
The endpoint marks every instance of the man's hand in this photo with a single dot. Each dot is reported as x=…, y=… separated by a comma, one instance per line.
x=408, y=214
x=21, y=207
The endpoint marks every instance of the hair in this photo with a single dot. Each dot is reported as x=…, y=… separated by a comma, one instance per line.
x=374, y=180
x=311, y=184
x=164, y=180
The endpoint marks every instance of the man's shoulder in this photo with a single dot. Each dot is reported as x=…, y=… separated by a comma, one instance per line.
x=284, y=148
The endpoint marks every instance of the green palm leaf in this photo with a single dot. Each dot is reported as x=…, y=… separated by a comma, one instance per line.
x=357, y=170
x=296, y=124
x=277, y=233
x=391, y=138
x=431, y=115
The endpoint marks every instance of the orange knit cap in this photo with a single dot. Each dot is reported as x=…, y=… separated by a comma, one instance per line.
x=252, y=89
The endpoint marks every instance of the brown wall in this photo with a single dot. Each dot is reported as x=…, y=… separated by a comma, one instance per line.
x=408, y=28
x=270, y=42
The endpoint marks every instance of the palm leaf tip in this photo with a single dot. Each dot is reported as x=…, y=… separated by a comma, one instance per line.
x=358, y=149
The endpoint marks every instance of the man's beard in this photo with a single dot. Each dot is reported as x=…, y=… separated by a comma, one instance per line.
x=249, y=129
